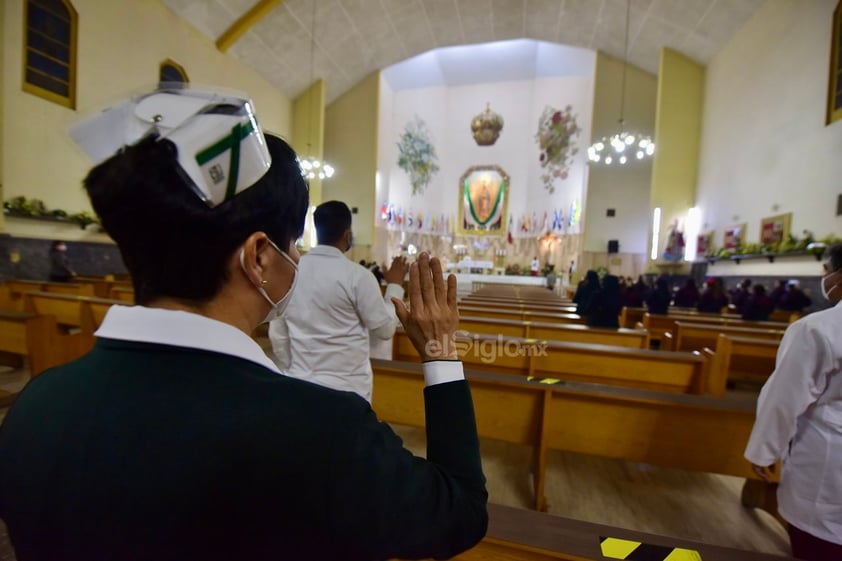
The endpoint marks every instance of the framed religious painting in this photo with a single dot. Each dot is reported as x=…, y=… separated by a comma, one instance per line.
x=704, y=244
x=483, y=201
x=775, y=229
x=735, y=237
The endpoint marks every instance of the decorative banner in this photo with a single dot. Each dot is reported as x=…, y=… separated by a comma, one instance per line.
x=483, y=196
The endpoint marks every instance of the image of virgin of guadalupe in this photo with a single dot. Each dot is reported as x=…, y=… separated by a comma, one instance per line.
x=483, y=193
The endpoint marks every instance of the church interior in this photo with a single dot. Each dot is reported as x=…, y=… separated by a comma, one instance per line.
x=515, y=140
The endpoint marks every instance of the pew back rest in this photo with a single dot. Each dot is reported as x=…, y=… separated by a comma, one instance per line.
x=741, y=359
x=694, y=336
x=501, y=313
x=631, y=367
x=635, y=338
x=30, y=335
x=84, y=312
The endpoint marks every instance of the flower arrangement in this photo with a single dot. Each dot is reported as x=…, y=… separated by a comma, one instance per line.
x=35, y=208
x=556, y=132
x=417, y=155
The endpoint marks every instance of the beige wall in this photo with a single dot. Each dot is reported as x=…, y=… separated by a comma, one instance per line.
x=308, y=127
x=351, y=125
x=765, y=148
x=120, y=47
x=681, y=84
x=623, y=188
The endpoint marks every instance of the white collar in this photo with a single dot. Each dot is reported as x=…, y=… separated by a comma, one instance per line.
x=326, y=250
x=181, y=329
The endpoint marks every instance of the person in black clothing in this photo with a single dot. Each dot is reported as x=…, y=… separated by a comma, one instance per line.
x=660, y=299
x=60, y=270
x=794, y=299
x=176, y=437
x=777, y=293
x=740, y=296
x=603, y=309
x=585, y=290
x=688, y=295
x=758, y=306
x=713, y=299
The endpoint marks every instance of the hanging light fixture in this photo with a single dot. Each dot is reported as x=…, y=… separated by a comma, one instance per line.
x=623, y=145
x=312, y=167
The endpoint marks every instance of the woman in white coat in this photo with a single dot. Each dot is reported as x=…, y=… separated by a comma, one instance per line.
x=799, y=420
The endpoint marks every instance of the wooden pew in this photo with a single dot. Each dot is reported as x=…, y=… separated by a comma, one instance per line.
x=697, y=336
x=18, y=287
x=630, y=317
x=571, y=333
x=622, y=366
x=740, y=359
x=531, y=306
x=123, y=293
x=515, y=534
x=522, y=315
x=657, y=325
x=697, y=433
x=83, y=312
x=24, y=334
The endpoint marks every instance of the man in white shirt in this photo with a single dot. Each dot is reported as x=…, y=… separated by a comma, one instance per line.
x=323, y=336
x=799, y=421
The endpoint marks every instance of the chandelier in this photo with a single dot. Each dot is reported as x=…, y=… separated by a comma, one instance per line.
x=311, y=167
x=623, y=145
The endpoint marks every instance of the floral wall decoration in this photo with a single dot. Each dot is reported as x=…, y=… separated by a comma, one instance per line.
x=557, y=130
x=417, y=154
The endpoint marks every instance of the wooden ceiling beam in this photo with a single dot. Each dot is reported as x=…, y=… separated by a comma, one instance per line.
x=245, y=22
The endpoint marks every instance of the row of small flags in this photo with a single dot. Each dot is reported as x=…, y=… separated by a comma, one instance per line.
x=440, y=224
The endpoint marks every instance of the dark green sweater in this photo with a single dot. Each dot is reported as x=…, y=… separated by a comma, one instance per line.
x=154, y=452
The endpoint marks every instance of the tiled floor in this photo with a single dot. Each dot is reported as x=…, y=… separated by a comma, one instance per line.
x=641, y=497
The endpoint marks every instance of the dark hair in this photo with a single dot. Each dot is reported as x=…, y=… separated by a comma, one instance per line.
x=175, y=245
x=834, y=255
x=332, y=219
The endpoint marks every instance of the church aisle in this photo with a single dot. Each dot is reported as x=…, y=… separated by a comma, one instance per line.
x=670, y=502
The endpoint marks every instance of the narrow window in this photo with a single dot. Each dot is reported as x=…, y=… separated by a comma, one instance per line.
x=49, y=50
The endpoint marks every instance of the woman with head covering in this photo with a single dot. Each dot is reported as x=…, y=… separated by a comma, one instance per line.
x=605, y=304
x=176, y=437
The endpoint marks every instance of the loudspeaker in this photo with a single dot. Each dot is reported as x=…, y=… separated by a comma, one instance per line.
x=613, y=246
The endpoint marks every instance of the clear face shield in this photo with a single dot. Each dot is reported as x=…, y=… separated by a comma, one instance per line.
x=221, y=147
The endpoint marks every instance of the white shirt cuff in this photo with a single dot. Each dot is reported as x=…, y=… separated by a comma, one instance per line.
x=395, y=290
x=442, y=371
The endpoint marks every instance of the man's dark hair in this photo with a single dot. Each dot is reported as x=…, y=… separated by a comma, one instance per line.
x=174, y=244
x=332, y=219
x=834, y=257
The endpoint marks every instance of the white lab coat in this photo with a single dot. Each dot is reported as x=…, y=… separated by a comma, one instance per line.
x=799, y=420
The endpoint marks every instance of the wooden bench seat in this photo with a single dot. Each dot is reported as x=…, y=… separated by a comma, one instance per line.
x=18, y=287
x=533, y=306
x=697, y=336
x=697, y=433
x=740, y=360
x=83, y=312
x=24, y=334
x=571, y=333
x=658, y=325
x=523, y=315
x=622, y=366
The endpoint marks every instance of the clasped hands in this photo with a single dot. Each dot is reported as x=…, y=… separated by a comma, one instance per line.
x=432, y=318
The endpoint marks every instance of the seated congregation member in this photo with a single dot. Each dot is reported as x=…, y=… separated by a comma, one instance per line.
x=713, y=298
x=605, y=304
x=777, y=292
x=660, y=299
x=740, y=295
x=176, y=437
x=585, y=290
x=324, y=335
x=688, y=295
x=60, y=270
x=793, y=298
x=758, y=306
x=635, y=294
x=798, y=422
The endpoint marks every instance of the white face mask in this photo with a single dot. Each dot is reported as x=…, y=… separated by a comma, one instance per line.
x=278, y=308
x=825, y=291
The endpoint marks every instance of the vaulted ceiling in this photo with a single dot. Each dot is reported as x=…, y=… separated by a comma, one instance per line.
x=355, y=37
